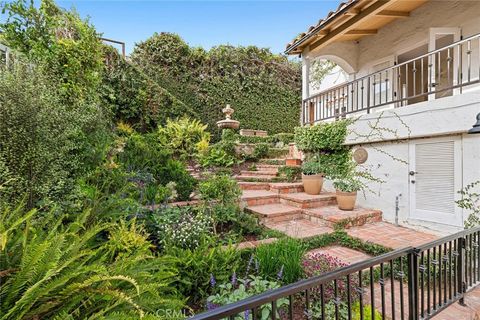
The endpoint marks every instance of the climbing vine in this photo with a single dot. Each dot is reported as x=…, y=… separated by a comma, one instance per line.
x=263, y=88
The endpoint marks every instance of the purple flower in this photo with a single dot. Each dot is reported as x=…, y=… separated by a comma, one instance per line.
x=234, y=278
x=250, y=261
x=211, y=306
x=280, y=273
x=246, y=314
x=213, y=282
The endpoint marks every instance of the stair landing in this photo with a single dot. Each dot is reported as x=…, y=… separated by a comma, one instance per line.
x=286, y=208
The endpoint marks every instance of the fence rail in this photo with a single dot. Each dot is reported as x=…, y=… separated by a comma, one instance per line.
x=408, y=283
x=439, y=73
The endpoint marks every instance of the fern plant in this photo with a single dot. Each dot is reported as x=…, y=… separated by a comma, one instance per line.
x=54, y=269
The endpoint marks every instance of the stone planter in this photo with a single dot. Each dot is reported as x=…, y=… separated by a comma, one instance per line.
x=346, y=200
x=312, y=183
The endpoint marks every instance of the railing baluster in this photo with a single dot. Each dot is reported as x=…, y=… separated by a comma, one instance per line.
x=440, y=272
x=372, y=292
x=428, y=282
x=274, y=309
x=336, y=299
x=290, y=307
x=434, y=280
x=322, y=301
x=382, y=288
x=422, y=282
x=349, y=298
x=392, y=287
x=360, y=293
x=450, y=269
x=400, y=283
x=445, y=260
x=469, y=59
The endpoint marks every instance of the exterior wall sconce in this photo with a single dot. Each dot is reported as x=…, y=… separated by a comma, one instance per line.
x=476, y=126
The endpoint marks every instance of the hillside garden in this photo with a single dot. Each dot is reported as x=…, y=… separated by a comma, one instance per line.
x=94, y=151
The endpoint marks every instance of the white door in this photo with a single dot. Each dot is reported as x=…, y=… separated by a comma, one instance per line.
x=444, y=72
x=435, y=177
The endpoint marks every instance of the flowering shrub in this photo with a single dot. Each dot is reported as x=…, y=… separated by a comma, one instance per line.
x=180, y=227
x=239, y=289
x=320, y=263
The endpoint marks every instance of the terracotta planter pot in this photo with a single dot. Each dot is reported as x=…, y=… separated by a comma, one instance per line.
x=293, y=162
x=346, y=200
x=312, y=183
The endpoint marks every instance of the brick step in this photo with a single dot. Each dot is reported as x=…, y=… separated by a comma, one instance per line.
x=274, y=161
x=286, y=187
x=276, y=212
x=258, y=173
x=332, y=215
x=258, y=178
x=252, y=198
x=266, y=167
x=302, y=228
x=254, y=185
x=305, y=201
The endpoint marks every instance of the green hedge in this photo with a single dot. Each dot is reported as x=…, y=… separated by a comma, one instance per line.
x=263, y=88
x=136, y=99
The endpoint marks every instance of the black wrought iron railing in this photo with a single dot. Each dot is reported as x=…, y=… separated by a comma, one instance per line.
x=439, y=73
x=409, y=283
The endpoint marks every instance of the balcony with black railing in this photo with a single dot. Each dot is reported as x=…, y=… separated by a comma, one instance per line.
x=450, y=70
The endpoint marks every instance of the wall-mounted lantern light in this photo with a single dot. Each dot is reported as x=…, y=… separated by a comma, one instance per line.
x=476, y=126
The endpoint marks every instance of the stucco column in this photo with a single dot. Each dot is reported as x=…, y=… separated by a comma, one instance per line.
x=305, y=82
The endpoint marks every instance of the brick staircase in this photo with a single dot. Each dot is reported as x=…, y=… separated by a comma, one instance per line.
x=264, y=172
x=286, y=208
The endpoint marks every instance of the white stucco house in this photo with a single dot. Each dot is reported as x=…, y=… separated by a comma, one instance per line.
x=413, y=71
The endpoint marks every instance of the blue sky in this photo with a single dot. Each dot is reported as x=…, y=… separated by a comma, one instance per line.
x=269, y=24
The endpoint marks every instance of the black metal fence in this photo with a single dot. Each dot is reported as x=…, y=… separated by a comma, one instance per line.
x=443, y=72
x=409, y=283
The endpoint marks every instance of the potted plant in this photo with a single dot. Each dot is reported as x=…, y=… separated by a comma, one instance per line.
x=347, y=192
x=312, y=177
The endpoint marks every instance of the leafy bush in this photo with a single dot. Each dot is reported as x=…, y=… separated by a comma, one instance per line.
x=292, y=174
x=324, y=137
x=471, y=201
x=312, y=167
x=45, y=143
x=239, y=289
x=260, y=151
x=219, y=188
x=264, y=85
x=134, y=98
x=182, y=136
x=66, y=47
x=316, y=311
x=320, y=263
x=217, y=157
x=196, y=267
x=145, y=155
x=283, y=256
x=348, y=184
x=182, y=227
x=53, y=269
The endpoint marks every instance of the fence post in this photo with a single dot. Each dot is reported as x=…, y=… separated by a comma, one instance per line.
x=461, y=269
x=413, y=284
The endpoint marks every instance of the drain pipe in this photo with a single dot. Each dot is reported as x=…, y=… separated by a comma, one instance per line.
x=397, y=207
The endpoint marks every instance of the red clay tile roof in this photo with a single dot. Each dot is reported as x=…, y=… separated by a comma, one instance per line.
x=321, y=23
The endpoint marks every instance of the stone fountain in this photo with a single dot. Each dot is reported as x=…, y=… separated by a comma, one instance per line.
x=228, y=122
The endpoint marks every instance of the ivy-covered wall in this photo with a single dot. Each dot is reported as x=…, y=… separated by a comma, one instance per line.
x=263, y=88
x=134, y=98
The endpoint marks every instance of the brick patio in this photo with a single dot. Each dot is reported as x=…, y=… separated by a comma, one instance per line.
x=390, y=236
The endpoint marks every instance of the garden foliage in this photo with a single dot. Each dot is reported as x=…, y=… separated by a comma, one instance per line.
x=263, y=88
